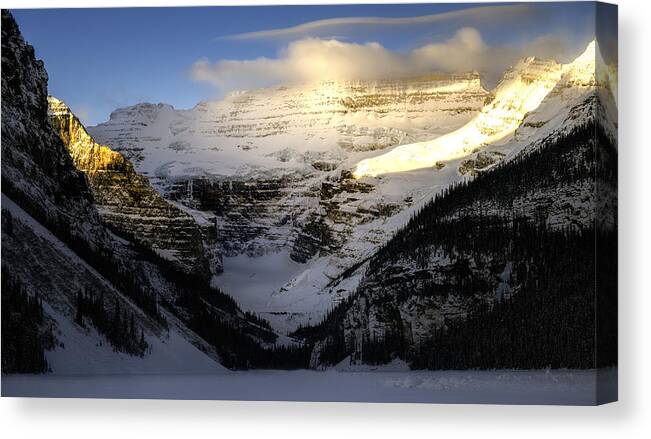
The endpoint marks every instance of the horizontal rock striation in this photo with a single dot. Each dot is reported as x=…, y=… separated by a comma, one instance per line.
x=288, y=126
x=307, y=214
x=128, y=203
x=265, y=161
x=274, y=165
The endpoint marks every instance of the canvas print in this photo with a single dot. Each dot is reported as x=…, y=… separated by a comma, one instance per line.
x=370, y=203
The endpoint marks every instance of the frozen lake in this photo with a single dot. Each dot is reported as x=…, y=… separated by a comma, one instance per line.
x=570, y=387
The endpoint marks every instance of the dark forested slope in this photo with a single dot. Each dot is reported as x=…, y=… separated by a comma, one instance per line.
x=496, y=272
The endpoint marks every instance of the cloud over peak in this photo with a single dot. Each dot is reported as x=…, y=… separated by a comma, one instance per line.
x=313, y=59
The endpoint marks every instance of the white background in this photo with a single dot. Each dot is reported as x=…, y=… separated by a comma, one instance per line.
x=50, y=418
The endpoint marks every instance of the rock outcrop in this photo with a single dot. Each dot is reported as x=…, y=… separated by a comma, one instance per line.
x=53, y=240
x=526, y=233
x=258, y=159
x=36, y=168
x=522, y=90
x=128, y=203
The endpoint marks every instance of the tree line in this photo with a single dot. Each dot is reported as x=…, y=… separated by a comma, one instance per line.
x=25, y=333
x=117, y=325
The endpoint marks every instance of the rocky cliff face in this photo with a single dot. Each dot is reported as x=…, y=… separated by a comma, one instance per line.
x=127, y=202
x=55, y=191
x=521, y=90
x=540, y=195
x=49, y=221
x=528, y=96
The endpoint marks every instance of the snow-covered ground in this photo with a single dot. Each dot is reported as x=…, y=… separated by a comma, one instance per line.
x=256, y=279
x=82, y=350
x=570, y=387
x=90, y=354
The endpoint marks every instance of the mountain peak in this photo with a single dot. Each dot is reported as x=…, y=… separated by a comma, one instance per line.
x=582, y=71
x=590, y=50
x=57, y=106
x=588, y=57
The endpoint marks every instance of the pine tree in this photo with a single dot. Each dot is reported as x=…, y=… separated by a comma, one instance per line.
x=79, y=316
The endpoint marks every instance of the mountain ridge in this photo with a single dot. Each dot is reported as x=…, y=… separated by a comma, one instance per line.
x=314, y=121
x=522, y=90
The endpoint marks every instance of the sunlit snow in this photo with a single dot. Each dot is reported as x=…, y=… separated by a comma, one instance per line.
x=521, y=91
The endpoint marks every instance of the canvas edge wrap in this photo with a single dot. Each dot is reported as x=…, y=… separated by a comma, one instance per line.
x=606, y=242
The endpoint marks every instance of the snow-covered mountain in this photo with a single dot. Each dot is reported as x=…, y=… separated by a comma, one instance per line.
x=273, y=165
x=78, y=346
x=521, y=93
x=514, y=268
x=275, y=131
x=419, y=221
x=49, y=220
x=295, y=224
x=495, y=259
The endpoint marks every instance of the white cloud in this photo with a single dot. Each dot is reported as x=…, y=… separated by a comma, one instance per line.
x=312, y=59
x=482, y=14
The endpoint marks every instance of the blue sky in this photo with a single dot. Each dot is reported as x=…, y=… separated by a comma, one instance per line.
x=102, y=59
